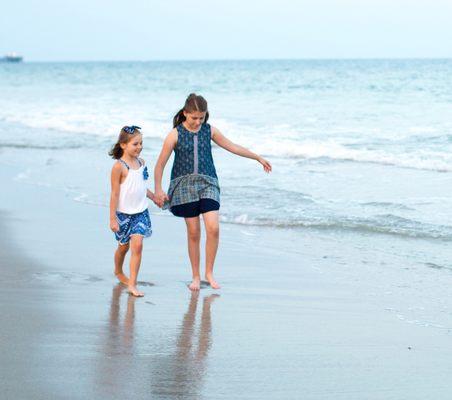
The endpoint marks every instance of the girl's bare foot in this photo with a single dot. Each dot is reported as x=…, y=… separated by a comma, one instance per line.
x=134, y=291
x=195, y=284
x=213, y=283
x=122, y=278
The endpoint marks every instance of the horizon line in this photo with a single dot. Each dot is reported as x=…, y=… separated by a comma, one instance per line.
x=239, y=59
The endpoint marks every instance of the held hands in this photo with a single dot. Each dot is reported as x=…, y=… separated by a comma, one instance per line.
x=160, y=197
x=267, y=166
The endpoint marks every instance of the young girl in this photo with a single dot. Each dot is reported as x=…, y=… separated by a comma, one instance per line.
x=194, y=187
x=129, y=216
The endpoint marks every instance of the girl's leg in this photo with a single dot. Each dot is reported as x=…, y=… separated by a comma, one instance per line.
x=212, y=238
x=193, y=238
x=136, y=245
x=120, y=254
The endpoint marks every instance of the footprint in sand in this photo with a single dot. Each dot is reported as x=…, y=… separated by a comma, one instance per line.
x=66, y=277
x=143, y=283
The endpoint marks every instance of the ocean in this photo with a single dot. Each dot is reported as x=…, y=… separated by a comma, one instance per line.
x=361, y=149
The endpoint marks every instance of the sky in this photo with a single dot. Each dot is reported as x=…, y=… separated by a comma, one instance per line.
x=95, y=30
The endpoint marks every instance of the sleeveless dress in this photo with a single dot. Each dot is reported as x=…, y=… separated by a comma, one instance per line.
x=132, y=212
x=193, y=176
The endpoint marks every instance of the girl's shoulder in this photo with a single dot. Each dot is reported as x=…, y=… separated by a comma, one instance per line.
x=173, y=135
x=118, y=169
x=117, y=166
x=213, y=130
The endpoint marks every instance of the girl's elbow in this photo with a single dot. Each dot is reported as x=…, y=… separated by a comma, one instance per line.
x=158, y=170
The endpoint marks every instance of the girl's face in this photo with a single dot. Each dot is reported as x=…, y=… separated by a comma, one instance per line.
x=134, y=146
x=194, y=119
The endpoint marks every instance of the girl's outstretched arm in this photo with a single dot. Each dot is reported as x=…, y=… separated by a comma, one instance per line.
x=116, y=172
x=224, y=142
x=168, y=146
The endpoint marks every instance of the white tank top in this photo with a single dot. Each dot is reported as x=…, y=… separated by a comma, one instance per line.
x=132, y=193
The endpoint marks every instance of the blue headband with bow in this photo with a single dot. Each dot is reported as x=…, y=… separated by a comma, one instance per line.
x=130, y=129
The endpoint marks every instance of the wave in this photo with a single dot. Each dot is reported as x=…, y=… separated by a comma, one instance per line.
x=40, y=146
x=388, y=205
x=388, y=224
x=88, y=122
x=286, y=143
x=382, y=224
x=440, y=161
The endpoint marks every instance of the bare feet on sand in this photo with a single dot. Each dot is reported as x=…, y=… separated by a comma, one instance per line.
x=121, y=277
x=195, y=284
x=213, y=283
x=134, y=291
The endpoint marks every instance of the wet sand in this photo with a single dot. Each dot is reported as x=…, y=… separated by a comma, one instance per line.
x=291, y=321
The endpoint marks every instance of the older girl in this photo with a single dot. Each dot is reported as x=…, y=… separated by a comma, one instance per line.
x=194, y=188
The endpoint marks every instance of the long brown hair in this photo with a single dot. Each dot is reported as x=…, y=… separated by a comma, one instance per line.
x=193, y=103
x=116, y=151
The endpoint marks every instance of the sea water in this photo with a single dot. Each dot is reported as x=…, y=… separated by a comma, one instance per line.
x=358, y=147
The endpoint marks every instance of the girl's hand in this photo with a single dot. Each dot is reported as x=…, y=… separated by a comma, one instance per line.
x=267, y=166
x=160, y=197
x=157, y=203
x=114, y=226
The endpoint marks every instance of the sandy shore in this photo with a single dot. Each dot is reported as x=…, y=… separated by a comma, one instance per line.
x=294, y=320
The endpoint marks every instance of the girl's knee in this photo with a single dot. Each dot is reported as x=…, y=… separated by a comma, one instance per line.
x=123, y=248
x=213, y=230
x=194, y=234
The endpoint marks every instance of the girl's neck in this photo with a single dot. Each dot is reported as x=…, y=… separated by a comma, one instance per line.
x=190, y=129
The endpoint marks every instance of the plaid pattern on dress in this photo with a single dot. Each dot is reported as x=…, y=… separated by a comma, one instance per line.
x=192, y=187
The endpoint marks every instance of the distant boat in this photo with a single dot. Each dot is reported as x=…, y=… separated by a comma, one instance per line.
x=12, y=57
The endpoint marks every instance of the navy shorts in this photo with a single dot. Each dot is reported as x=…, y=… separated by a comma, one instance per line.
x=193, y=209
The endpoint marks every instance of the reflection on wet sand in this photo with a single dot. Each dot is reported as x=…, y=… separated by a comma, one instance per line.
x=173, y=367
x=180, y=374
x=118, y=348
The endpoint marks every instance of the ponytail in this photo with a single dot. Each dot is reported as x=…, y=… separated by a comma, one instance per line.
x=116, y=151
x=193, y=103
x=179, y=118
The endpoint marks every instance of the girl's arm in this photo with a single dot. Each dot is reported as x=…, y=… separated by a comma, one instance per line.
x=150, y=195
x=116, y=172
x=168, y=146
x=224, y=142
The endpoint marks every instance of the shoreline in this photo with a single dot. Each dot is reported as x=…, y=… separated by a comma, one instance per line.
x=309, y=322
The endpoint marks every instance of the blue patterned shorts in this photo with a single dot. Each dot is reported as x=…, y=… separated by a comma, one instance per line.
x=133, y=224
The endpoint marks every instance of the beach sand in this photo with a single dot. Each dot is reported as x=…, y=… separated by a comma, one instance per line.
x=321, y=320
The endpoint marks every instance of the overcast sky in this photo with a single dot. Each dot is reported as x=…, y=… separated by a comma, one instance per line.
x=66, y=30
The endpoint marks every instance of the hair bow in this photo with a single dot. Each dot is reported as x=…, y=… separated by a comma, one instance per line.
x=131, y=129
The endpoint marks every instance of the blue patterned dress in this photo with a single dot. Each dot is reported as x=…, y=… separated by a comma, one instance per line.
x=193, y=176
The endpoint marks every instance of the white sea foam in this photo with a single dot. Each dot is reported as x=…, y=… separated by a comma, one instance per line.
x=86, y=121
x=383, y=224
x=311, y=150
x=277, y=140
